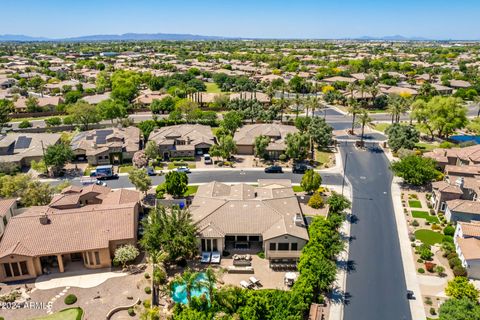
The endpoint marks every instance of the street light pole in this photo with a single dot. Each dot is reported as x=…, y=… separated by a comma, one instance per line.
x=344, y=171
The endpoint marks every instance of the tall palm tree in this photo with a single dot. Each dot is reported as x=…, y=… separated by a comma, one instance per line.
x=283, y=105
x=363, y=119
x=298, y=100
x=189, y=279
x=314, y=103
x=210, y=282
x=157, y=259
x=353, y=110
x=351, y=87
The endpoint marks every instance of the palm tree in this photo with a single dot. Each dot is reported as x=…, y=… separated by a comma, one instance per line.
x=189, y=279
x=351, y=88
x=298, y=101
x=283, y=105
x=353, y=110
x=363, y=119
x=159, y=274
x=270, y=92
x=314, y=102
x=209, y=283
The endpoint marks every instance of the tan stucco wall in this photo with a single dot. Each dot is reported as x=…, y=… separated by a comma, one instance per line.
x=244, y=149
x=283, y=239
x=33, y=272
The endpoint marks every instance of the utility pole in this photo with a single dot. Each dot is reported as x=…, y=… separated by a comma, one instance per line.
x=344, y=171
x=43, y=151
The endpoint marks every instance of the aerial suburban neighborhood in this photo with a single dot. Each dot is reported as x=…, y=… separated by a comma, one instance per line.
x=178, y=176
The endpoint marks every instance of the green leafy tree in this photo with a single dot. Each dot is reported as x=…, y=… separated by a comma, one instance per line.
x=311, y=181
x=459, y=309
x=260, y=146
x=461, y=288
x=415, y=170
x=57, y=155
x=440, y=115
x=226, y=146
x=172, y=231
x=297, y=146
x=125, y=254
x=151, y=150
x=165, y=105
x=36, y=194
x=32, y=105
x=232, y=121
x=363, y=118
x=84, y=114
x=176, y=183
x=402, y=137
x=320, y=132
x=140, y=179
x=338, y=203
x=125, y=85
x=302, y=123
x=147, y=127
x=6, y=108
x=112, y=109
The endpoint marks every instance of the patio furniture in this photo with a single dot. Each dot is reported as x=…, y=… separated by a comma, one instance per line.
x=245, y=284
x=215, y=257
x=290, y=278
x=254, y=281
x=206, y=257
x=235, y=269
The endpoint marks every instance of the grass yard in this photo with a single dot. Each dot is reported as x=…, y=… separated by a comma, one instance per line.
x=171, y=165
x=88, y=171
x=297, y=189
x=424, y=215
x=381, y=126
x=66, y=314
x=414, y=204
x=125, y=168
x=324, y=158
x=425, y=147
x=191, y=191
x=212, y=87
x=428, y=236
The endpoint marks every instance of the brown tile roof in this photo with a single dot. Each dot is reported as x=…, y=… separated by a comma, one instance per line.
x=268, y=210
x=70, y=230
x=470, y=248
x=5, y=205
x=466, y=206
x=470, y=229
x=194, y=133
x=246, y=135
x=459, y=170
x=444, y=186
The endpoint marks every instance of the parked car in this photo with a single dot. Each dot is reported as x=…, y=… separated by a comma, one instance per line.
x=104, y=173
x=410, y=295
x=274, y=169
x=207, y=159
x=183, y=169
x=301, y=168
x=151, y=171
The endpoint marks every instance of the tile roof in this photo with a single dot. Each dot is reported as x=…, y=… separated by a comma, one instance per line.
x=470, y=248
x=246, y=135
x=470, y=229
x=5, y=205
x=466, y=206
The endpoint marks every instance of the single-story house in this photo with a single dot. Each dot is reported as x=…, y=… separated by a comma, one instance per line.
x=7, y=211
x=243, y=217
x=462, y=210
x=22, y=148
x=106, y=146
x=49, y=239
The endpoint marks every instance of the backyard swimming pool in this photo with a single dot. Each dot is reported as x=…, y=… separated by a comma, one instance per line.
x=465, y=138
x=179, y=294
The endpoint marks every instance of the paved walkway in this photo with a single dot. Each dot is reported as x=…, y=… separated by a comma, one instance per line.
x=76, y=279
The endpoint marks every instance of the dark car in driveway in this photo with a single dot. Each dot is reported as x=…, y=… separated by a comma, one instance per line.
x=274, y=169
x=301, y=168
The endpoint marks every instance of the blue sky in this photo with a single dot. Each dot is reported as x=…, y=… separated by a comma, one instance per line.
x=438, y=19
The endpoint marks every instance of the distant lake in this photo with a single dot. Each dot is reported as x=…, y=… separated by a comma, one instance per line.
x=465, y=138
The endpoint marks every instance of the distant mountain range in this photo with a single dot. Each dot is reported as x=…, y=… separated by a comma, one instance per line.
x=117, y=37
x=174, y=37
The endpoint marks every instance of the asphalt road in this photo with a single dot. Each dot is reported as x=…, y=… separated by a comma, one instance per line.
x=250, y=176
x=376, y=288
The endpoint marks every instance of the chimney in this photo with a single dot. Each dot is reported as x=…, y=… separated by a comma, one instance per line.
x=459, y=182
x=44, y=220
x=188, y=140
x=298, y=219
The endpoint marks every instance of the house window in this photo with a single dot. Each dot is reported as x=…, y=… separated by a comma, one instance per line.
x=214, y=244
x=442, y=206
x=294, y=246
x=23, y=267
x=204, y=244
x=5, y=220
x=230, y=238
x=241, y=238
x=8, y=271
x=90, y=258
x=97, y=257
x=283, y=246
x=106, y=157
x=254, y=238
x=15, y=269
x=273, y=246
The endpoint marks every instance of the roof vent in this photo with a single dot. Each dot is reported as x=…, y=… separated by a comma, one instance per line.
x=44, y=220
x=459, y=182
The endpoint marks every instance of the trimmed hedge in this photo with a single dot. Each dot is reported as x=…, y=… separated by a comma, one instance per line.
x=70, y=299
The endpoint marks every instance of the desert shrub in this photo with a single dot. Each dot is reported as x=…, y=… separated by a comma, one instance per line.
x=70, y=299
x=429, y=266
x=282, y=157
x=452, y=255
x=148, y=290
x=25, y=124
x=131, y=312
x=316, y=201
x=432, y=311
x=436, y=227
x=459, y=271
x=261, y=255
x=454, y=262
x=147, y=303
x=415, y=223
x=421, y=270
x=146, y=275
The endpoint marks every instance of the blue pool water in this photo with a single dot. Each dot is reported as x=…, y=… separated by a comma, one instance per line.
x=179, y=294
x=465, y=138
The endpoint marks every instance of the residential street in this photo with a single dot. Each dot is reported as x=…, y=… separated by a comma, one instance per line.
x=376, y=287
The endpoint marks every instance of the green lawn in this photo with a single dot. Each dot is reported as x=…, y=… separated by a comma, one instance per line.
x=66, y=314
x=428, y=236
x=191, y=191
x=32, y=118
x=297, y=189
x=425, y=147
x=125, y=168
x=323, y=157
x=212, y=87
x=381, y=126
x=425, y=215
x=414, y=204
x=171, y=165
